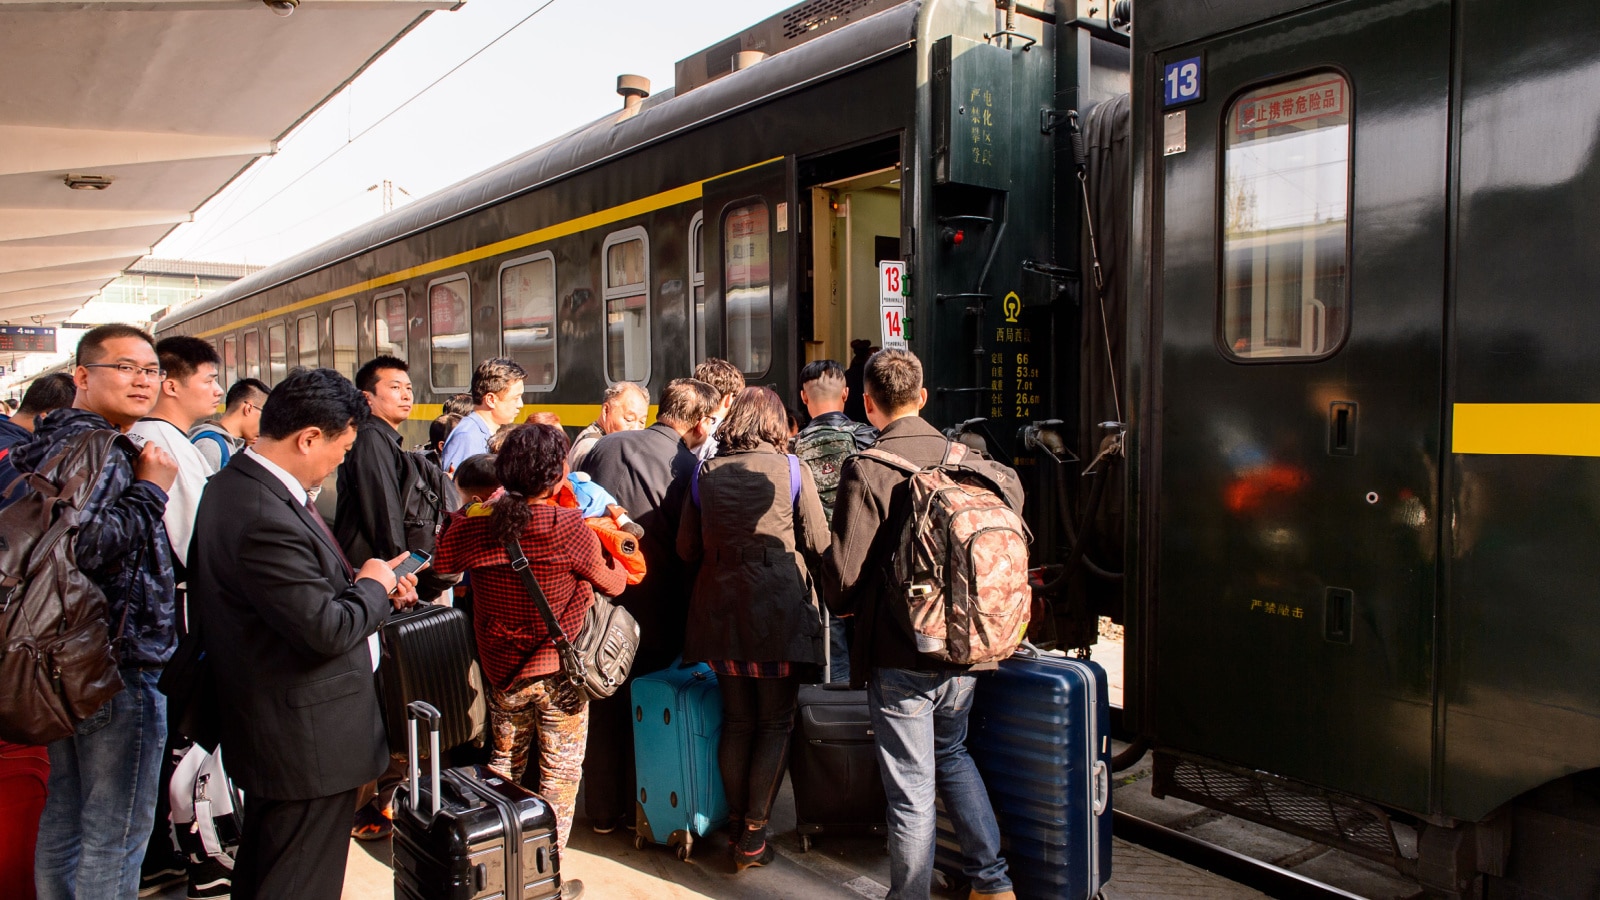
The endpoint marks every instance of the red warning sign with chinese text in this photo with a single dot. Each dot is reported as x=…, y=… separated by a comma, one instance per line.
x=1289, y=107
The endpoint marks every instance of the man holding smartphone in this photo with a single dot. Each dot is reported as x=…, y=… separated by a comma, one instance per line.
x=287, y=618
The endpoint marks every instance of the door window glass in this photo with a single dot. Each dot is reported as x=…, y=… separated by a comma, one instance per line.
x=627, y=298
x=389, y=324
x=252, y=355
x=528, y=318
x=230, y=360
x=277, y=353
x=697, y=281
x=747, y=287
x=344, y=341
x=306, y=341
x=1285, y=219
x=449, y=343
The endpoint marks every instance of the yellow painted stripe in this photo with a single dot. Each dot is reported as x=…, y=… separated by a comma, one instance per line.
x=683, y=194
x=1534, y=429
x=573, y=415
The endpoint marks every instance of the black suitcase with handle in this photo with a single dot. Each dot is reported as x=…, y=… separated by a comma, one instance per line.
x=833, y=764
x=428, y=653
x=470, y=833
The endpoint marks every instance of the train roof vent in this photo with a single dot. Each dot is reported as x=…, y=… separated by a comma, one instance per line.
x=790, y=28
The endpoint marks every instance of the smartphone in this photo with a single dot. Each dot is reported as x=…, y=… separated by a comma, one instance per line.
x=411, y=563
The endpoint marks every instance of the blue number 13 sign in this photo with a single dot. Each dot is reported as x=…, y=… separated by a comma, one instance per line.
x=1181, y=82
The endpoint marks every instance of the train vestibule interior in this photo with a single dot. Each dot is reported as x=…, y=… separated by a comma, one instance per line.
x=855, y=223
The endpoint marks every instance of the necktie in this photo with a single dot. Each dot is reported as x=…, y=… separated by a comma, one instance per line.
x=311, y=507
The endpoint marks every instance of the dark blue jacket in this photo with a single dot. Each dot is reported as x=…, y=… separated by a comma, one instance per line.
x=11, y=434
x=121, y=544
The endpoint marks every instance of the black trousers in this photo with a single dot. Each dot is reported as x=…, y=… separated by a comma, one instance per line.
x=609, y=779
x=294, y=848
x=757, y=717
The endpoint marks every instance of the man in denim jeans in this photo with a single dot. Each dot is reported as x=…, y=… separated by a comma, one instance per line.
x=103, y=779
x=919, y=705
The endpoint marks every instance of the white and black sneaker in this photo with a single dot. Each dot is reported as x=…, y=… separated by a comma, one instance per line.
x=160, y=877
x=210, y=880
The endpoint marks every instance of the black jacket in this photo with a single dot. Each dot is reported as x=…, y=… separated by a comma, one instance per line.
x=286, y=631
x=648, y=472
x=122, y=543
x=369, y=511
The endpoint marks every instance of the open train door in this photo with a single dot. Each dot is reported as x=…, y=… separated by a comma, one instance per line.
x=1298, y=180
x=748, y=239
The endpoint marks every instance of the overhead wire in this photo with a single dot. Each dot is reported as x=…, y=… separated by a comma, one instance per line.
x=386, y=116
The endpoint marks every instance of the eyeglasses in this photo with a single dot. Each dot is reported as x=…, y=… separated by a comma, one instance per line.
x=129, y=370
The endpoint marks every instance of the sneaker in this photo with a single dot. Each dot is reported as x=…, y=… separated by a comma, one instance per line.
x=571, y=889
x=210, y=880
x=371, y=825
x=603, y=826
x=158, y=879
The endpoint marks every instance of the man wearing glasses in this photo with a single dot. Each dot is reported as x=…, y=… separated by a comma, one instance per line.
x=237, y=428
x=103, y=778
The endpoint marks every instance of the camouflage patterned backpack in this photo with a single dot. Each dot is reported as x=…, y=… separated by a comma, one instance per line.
x=962, y=559
x=824, y=449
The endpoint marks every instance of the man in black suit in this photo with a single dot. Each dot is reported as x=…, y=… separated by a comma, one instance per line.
x=648, y=472
x=286, y=623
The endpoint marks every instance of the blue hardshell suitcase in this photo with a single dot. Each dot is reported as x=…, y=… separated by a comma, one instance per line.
x=1040, y=735
x=677, y=721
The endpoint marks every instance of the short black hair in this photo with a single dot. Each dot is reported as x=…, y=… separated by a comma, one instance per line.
x=458, y=405
x=48, y=393
x=494, y=375
x=93, y=342
x=182, y=355
x=476, y=473
x=245, y=389
x=312, y=398
x=893, y=379
x=367, y=376
x=821, y=368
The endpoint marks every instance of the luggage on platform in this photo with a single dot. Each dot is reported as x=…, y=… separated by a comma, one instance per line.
x=1040, y=732
x=467, y=833
x=677, y=721
x=833, y=765
x=428, y=653
x=24, y=776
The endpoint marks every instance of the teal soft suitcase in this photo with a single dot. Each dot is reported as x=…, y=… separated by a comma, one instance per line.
x=677, y=721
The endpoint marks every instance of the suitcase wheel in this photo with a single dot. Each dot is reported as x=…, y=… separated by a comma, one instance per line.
x=686, y=847
x=805, y=843
x=639, y=842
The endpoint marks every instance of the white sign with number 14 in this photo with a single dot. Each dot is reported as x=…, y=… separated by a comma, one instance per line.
x=892, y=303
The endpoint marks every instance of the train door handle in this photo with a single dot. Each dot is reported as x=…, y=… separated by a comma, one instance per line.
x=1342, y=428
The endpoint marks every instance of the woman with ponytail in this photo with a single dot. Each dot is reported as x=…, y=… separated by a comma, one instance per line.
x=528, y=693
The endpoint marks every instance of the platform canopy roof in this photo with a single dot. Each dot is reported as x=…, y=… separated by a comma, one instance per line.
x=169, y=100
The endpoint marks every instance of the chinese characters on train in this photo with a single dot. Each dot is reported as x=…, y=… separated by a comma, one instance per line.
x=1014, y=386
x=1277, y=609
x=1290, y=107
x=981, y=120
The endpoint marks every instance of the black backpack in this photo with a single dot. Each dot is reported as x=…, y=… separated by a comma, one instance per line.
x=426, y=495
x=57, y=666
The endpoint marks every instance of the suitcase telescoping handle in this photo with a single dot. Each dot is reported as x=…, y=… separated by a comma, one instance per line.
x=415, y=710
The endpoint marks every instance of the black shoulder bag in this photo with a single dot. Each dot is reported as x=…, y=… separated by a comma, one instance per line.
x=599, y=660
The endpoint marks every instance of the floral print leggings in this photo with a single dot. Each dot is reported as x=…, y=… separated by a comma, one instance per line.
x=545, y=707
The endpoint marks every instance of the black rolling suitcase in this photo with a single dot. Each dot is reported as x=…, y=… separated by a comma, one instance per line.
x=428, y=653
x=833, y=765
x=471, y=834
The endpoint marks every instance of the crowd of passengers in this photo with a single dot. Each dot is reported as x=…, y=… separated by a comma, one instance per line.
x=214, y=519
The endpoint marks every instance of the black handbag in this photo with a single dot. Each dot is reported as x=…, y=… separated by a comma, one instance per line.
x=599, y=659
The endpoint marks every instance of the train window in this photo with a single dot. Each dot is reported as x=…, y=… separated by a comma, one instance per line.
x=747, y=286
x=344, y=340
x=277, y=353
x=528, y=317
x=1285, y=220
x=389, y=324
x=449, y=341
x=230, y=360
x=305, y=330
x=697, y=279
x=252, y=355
x=627, y=296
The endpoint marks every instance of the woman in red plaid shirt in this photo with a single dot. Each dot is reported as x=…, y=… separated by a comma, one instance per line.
x=752, y=521
x=528, y=693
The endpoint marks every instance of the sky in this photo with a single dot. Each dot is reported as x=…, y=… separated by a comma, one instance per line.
x=554, y=72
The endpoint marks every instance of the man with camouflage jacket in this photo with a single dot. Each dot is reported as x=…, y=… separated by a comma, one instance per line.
x=829, y=439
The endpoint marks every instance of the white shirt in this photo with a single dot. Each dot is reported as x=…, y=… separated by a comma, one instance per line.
x=298, y=492
x=183, y=499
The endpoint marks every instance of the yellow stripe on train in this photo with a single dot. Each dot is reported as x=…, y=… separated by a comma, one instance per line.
x=573, y=415
x=1531, y=429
